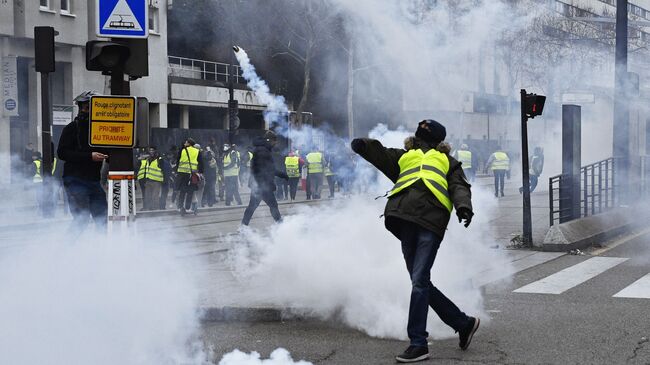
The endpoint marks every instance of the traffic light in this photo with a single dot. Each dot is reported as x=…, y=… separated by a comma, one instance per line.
x=44, y=49
x=534, y=105
x=106, y=56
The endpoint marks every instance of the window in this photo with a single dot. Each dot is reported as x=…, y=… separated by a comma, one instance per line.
x=153, y=20
x=45, y=4
x=66, y=6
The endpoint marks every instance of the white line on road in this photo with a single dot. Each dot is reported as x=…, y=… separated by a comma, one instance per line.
x=572, y=276
x=638, y=289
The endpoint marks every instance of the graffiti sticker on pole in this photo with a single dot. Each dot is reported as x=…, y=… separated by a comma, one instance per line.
x=112, y=121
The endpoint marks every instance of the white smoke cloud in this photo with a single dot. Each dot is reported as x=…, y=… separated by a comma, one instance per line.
x=123, y=299
x=278, y=357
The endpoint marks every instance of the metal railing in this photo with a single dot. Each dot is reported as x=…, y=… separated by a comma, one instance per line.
x=598, y=192
x=203, y=70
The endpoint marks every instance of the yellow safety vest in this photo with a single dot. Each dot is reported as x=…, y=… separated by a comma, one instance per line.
x=315, y=160
x=431, y=167
x=250, y=158
x=189, y=160
x=232, y=171
x=292, y=165
x=465, y=157
x=501, y=161
x=150, y=170
x=37, y=178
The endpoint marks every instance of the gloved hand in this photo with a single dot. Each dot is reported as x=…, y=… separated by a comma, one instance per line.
x=282, y=175
x=466, y=215
x=358, y=145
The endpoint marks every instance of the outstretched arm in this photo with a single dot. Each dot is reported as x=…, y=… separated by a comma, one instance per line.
x=384, y=159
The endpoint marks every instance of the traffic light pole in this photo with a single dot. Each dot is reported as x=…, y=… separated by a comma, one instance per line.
x=48, y=202
x=525, y=174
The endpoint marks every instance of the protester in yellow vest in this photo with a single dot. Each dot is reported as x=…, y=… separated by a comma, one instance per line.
x=465, y=157
x=428, y=185
x=315, y=167
x=189, y=163
x=231, y=165
x=150, y=173
x=499, y=163
x=293, y=166
x=330, y=173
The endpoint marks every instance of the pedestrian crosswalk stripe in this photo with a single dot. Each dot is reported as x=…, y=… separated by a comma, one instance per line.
x=638, y=289
x=572, y=276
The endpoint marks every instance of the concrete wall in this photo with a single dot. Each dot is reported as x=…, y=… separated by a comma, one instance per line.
x=6, y=18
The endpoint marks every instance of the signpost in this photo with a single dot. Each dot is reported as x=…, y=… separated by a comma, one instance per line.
x=122, y=18
x=113, y=125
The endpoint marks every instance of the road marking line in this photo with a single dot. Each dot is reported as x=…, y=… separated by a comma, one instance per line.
x=572, y=276
x=638, y=289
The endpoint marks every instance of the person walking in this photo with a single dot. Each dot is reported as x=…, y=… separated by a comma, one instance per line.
x=428, y=185
x=82, y=170
x=231, y=164
x=262, y=182
x=190, y=165
x=330, y=173
x=282, y=185
x=293, y=165
x=209, y=192
x=466, y=158
x=536, y=168
x=314, y=173
x=499, y=163
x=151, y=175
x=166, y=167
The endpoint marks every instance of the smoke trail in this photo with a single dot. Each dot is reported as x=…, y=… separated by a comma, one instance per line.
x=275, y=104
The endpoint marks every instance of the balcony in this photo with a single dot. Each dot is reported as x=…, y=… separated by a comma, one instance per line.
x=208, y=72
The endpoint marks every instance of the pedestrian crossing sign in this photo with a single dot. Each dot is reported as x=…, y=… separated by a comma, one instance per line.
x=122, y=18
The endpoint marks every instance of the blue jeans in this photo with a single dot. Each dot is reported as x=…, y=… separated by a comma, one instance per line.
x=420, y=247
x=86, y=198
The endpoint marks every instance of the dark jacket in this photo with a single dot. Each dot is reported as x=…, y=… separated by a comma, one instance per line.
x=263, y=167
x=416, y=204
x=77, y=154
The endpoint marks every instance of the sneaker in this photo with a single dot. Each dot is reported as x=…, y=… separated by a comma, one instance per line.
x=413, y=354
x=502, y=194
x=466, y=334
x=183, y=211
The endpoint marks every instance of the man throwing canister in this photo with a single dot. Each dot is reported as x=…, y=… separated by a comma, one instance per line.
x=428, y=185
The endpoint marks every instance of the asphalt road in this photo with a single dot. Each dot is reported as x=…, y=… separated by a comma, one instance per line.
x=583, y=324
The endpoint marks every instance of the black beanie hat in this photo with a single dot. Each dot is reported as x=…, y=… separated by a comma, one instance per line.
x=436, y=133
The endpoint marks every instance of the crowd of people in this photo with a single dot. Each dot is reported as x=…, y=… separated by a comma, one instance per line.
x=203, y=175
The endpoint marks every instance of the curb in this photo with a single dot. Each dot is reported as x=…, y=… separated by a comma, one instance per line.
x=251, y=314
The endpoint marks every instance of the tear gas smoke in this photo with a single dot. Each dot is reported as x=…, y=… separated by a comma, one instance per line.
x=275, y=104
x=337, y=260
x=123, y=299
x=278, y=357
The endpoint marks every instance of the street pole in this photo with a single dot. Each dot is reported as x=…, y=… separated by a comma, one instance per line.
x=525, y=174
x=121, y=175
x=46, y=140
x=232, y=103
x=621, y=137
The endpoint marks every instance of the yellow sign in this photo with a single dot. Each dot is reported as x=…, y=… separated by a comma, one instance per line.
x=111, y=134
x=112, y=121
